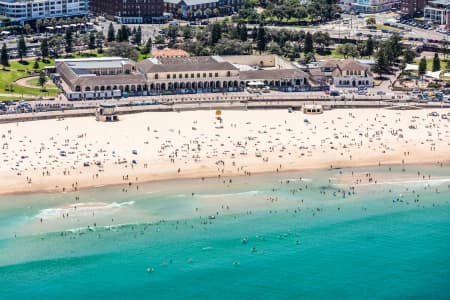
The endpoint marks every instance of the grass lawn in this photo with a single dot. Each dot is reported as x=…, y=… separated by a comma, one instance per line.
x=19, y=70
x=288, y=20
x=86, y=54
x=385, y=27
x=430, y=63
x=4, y=98
x=143, y=56
x=27, y=65
x=334, y=54
x=35, y=82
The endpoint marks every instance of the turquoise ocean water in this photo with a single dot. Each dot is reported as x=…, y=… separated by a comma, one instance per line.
x=300, y=235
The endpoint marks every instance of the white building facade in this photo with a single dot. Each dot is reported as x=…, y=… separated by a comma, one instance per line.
x=27, y=10
x=374, y=6
x=438, y=12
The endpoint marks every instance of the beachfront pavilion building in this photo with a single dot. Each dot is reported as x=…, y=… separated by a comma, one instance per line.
x=99, y=78
x=219, y=73
x=342, y=73
x=93, y=78
x=189, y=74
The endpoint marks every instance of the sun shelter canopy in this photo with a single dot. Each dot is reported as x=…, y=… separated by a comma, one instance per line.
x=434, y=75
x=256, y=83
x=410, y=67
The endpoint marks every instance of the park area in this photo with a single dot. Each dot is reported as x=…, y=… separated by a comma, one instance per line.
x=20, y=80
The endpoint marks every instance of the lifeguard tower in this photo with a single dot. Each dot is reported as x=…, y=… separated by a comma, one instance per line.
x=106, y=112
x=312, y=109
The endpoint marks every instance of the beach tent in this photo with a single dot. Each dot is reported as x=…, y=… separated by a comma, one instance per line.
x=255, y=83
x=434, y=75
x=410, y=67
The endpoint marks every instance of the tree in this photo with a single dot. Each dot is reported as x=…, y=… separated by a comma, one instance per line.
x=321, y=39
x=444, y=47
x=436, y=63
x=27, y=28
x=42, y=79
x=274, y=48
x=227, y=46
x=408, y=55
x=38, y=25
x=308, y=46
x=21, y=48
x=381, y=65
x=137, y=39
x=261, y=39
x=309, y=57
x=370, y=21
x=187, y=32
x=92, y=41
x=69, y=41
x=216, y=33
x=422, y=66
x=44, y=48
x=111, y=33
x=242, y=31
x=369, y=46
x=55, y=44
x=347, y=49
x=148, y=47
x=36, y=64
x=254, y=33
x=123, y=49
x=4, y=58
x=123, y=34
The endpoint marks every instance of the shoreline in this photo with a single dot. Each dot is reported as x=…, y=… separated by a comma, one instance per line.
x=206, y=176
x=49, y=156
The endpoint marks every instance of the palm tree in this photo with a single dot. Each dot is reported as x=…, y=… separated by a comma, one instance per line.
x=38, y=25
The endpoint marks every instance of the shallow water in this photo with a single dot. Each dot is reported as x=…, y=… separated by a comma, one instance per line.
x=255, y=237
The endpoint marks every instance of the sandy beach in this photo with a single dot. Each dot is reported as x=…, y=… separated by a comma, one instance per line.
x=70, y=154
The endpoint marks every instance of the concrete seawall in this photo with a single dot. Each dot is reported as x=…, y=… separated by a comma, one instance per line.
x=222, y=105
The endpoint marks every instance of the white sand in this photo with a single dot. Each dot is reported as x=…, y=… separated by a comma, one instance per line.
x=196, y=144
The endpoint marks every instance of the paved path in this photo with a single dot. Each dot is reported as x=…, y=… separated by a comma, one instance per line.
x=24, y=82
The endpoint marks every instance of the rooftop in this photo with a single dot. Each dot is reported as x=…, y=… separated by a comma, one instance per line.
x=183, y=64
x=169, y=53
x=280, y=74
x=94, y=63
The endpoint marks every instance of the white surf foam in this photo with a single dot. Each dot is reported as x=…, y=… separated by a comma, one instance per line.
x=80, y=209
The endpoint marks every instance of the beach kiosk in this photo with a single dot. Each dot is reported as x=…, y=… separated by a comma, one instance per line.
x=106, y=112
x=312, y=109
